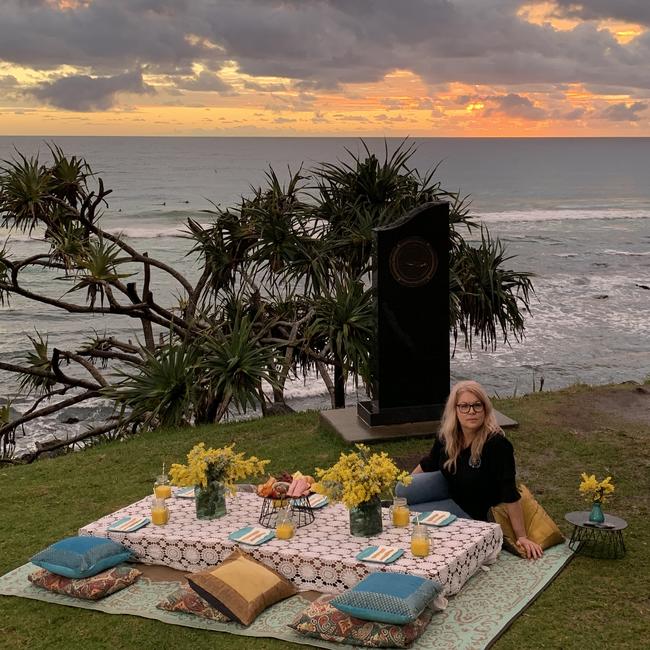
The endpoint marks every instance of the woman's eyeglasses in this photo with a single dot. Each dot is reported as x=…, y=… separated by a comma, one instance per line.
x=464, y=407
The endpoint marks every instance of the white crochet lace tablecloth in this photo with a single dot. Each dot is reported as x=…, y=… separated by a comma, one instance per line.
x=321, y=556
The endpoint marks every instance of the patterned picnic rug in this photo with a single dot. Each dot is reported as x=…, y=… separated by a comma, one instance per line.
x=474, y=619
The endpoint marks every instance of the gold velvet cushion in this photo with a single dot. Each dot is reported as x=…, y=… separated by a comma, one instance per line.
x=540, y=528
x=241, y=587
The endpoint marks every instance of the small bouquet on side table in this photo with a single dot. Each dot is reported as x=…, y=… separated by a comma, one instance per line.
x=212, y=472
x=596, y=492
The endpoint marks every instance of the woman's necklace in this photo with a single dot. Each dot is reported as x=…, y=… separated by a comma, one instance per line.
x=473, y=464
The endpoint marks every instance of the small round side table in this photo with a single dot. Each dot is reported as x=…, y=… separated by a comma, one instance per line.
x=597, y=540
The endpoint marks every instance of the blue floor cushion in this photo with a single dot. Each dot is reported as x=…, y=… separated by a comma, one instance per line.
x=395, y=598
x=81, y=557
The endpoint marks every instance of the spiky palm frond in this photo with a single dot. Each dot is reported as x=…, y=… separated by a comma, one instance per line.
x=69, y=176
x=365, y=193
x=97, y=266
x=37, y=359
x=491, y=299
x=68, y=242
x=344, y=319
x=235, y=364
x=276, y=214
x=164, y=390
x=367, y=182
x=25, y=190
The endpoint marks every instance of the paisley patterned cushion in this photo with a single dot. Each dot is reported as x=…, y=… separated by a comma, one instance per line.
x=186, y=600
x=94, y=588
x=323, y=621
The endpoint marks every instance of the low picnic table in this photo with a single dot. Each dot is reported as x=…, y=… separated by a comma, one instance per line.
x=321, y=555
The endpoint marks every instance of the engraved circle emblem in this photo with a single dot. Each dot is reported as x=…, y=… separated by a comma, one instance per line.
x=413, y=262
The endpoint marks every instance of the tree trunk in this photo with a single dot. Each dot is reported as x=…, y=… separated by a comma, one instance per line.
x=339, y=387
x=322, y=369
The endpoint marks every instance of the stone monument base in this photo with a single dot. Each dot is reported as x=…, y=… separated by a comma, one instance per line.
x=346, y=423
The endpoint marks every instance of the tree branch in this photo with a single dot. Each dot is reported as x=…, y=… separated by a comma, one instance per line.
x=52, y=445
x=105, y=354
x=99, y=378
x=70, y=381
x=53, y=408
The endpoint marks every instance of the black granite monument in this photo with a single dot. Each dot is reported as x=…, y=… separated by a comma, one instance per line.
x=411, y=349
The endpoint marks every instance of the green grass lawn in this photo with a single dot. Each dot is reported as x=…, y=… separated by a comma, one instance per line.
x=592, y=604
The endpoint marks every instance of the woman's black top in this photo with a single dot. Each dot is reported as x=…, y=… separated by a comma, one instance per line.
x=477, y=489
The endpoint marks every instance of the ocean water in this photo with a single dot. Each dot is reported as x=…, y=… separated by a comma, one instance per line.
x=576, y=212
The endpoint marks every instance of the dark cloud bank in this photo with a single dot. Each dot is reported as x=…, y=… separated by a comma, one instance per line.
x=319, y=44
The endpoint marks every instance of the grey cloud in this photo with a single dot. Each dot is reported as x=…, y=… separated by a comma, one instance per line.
x=107, y=34
x=85, y=93
x=515, y=106
x=264, y=88
x=320, y=44
x=204, y=81
x=624, y=112
x=575, y=114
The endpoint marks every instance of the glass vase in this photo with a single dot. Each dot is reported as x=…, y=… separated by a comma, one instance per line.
x=210, y=501
x=596, y=515
x=365, y=519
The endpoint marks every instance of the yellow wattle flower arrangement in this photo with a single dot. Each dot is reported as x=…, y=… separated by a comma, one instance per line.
x=359, y=476
x=594, y=490
x=222, y=464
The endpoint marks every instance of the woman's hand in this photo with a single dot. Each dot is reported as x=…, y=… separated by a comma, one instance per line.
x=533, y=551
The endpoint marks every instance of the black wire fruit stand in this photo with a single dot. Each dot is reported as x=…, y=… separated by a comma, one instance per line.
x=301, y=511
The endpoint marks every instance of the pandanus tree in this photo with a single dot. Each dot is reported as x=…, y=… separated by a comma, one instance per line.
x=284, y=288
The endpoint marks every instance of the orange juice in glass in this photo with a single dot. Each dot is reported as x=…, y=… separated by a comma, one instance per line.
x=284, y=527
x=420, y=541
x=400, y=512
x=159, y=512
x=162, y=488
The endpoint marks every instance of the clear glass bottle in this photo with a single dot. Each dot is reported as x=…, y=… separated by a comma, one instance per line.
x=159, y=512
x=399, y=513
x=162, y=488
x=284, y=525
x=420, y=541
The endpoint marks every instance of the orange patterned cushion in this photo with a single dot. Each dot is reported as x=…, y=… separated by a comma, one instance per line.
x=93, y=588
x=186, y=600
x=323, y=621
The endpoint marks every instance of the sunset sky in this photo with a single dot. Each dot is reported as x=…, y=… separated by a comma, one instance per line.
x=325, y=67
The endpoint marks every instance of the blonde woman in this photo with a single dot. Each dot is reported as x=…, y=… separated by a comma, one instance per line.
x=472, y=463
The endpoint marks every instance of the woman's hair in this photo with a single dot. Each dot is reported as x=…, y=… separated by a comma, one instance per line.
x=451, y=434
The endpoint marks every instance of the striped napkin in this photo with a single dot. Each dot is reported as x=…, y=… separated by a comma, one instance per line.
x=318, y=500
x=252, y=535
x=185, y=493
x=128, y=524
x=382, y=554
x=436, y=518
